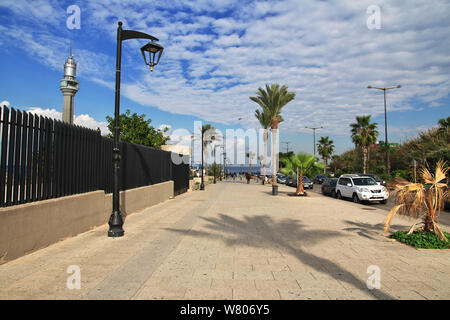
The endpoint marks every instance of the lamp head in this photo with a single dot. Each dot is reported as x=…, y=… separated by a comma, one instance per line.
x=154, y=52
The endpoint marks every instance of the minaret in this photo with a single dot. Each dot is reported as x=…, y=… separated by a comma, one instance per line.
x=69, y=87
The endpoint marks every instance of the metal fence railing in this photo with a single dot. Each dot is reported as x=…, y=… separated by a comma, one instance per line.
x=43, y=158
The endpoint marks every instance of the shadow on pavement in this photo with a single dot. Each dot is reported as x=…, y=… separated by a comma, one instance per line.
x=287, y=234
x=368, y=230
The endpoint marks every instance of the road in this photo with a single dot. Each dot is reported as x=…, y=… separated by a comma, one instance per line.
x=444, y=218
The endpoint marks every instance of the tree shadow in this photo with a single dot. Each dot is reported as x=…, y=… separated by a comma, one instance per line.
x=368, y=230
x=280, y=192
x=288, y=235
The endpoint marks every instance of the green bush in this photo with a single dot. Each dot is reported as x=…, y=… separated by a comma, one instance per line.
x=421, y=239
x=380, y=169
x=405, y=174
x=386, y=177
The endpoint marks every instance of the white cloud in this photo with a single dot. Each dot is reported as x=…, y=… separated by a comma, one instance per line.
x=50, y=113
x=83, y=120
x=4, y=103
x=210, y=66
x=163, y=127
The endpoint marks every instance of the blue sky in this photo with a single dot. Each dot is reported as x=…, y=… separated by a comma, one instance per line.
x=217, y=53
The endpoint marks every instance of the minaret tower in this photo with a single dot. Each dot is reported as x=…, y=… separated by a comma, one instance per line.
x=69, y=87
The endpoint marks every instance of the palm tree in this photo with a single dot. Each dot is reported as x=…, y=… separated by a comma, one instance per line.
x=209, y=135
x=272, y=100
x=364, y=134
x=250, y=156
x=325, y=148
x=422, y=201
x=444, y=124
x=264, y=120
x=304, y=162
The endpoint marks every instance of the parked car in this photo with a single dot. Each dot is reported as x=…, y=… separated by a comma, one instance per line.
x=375, y=177
x=292, y=182
x=319, y=178
x=329, y=187
x=360, y=188
x=281, y=178
x=307, y=183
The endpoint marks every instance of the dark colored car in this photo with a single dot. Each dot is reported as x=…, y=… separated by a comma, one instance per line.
x=320, y=178
x=307, y=183
x=329, y=187
x=291, y=181
x=281, y=178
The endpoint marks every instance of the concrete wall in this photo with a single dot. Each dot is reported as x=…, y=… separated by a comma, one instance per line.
x=28, y=227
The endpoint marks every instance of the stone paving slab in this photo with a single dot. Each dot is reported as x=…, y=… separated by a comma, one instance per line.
x=235, y=241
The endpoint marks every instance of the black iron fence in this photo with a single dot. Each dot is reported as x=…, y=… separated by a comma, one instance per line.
x=43, y=158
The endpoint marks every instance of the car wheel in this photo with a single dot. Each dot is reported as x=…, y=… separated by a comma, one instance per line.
x=339, y=196
x=355, y=198
x=333, y=194
x=383, y=201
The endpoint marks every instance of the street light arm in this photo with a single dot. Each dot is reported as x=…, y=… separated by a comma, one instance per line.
x=384, y=89
x=396, y=87
x=370, y=87
x=131, y=34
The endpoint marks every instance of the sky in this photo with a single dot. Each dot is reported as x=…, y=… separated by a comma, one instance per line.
x=218, y=53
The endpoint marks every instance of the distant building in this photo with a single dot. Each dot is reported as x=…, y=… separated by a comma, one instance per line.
x=69, y=87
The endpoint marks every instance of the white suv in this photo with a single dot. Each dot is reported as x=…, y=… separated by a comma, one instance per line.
x=360, y=188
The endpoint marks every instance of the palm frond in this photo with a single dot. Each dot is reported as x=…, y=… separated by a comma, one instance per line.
x=388, y=220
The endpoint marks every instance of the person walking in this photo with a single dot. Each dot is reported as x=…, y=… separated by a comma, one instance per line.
x=248, y=176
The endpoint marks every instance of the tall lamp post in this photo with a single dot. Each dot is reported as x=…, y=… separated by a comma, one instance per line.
x=224, y=156
x=222, y=175
x=314, y=137
x=287, y=145
x=215, y=168
x=388, y=163
x=202, y=184
x=154, y=51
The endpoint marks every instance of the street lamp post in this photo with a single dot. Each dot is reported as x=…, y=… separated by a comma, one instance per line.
x=314, y=137
x=287, y=145
x=224, y=156
x=215, y=168
x=388, y=163
x=202, y=184
x=222, y=174
x=154, y=50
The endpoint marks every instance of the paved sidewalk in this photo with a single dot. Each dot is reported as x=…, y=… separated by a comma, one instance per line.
x=235, y=241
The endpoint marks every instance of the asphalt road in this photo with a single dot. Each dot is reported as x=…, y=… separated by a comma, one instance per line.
x=444, y=218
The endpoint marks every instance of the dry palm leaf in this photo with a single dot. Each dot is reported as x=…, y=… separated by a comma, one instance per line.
x=416, y=200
